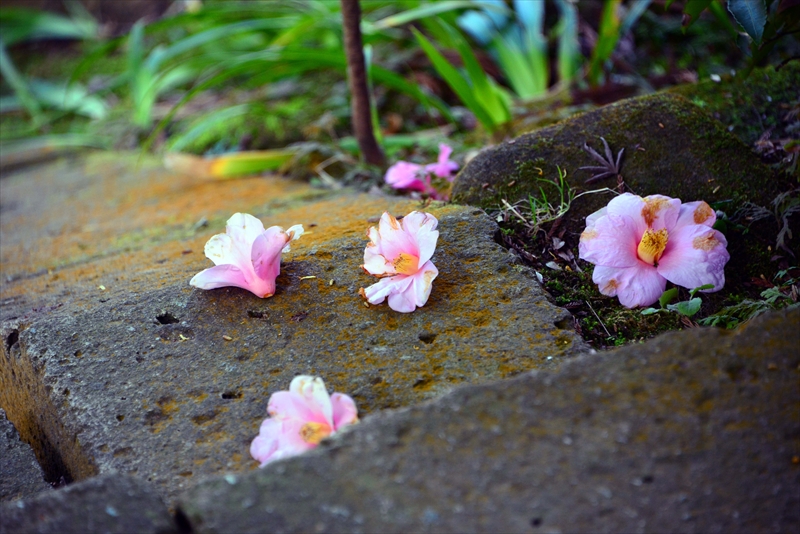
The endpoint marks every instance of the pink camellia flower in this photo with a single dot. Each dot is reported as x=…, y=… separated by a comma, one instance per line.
x=414, y=177
x=637, y=244
x=300, y=418
x=444, y=167
x=405, y=175
x=246, y=256
x=399, y=253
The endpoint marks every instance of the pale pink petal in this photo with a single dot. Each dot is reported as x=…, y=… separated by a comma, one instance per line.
x=266, y=443
x=592, y=219
x=344, y=410
x=312, y=389
x=611, y=242
x=404, y=175
x=422, y=227
x=640, y=285
x=294, y=232
x=243, y=229
x=407, y=297
x=222, y=251
x=375, y=263
x=278, y=439
x=697, y=212
x=220, y=276
x=266, y=257
x=394, y=240
x=444, y=167
x=289, y=405
x=377, y=293
x=655, y=211
x=695, y=255
x=661, y=211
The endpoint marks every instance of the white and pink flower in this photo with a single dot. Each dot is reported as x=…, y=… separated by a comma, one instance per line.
x=399, y=253
x=246, y=256
x=638, y=244
x=300, y=418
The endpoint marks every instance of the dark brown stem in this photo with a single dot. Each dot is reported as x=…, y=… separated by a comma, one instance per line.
x=357, y=78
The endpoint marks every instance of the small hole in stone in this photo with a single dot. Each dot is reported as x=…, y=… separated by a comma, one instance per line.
x=564, y=324
x=231, y=395
x=167, y=318
x=647, y=479
x=120, y=418
x=536, y=521
x=66, y=392
x=427, y=337
x=11, y=339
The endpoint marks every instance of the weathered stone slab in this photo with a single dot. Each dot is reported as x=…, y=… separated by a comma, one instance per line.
x=149, y=376
x=695, y=431
x=20, y=473
x=109, y=504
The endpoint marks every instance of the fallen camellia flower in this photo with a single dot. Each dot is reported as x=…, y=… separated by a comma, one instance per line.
x=300, y=418
x=414, y=177
x=246, y=256
x=399, y=253
x=637, y=244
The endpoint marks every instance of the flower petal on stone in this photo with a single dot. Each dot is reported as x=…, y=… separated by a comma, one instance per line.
x=243, y=229
x=294, y=232
x=246, y=256
x=404, y=175
x=640, y=285
x=377, y=293
x=312, y=390
x=344, y=410
x=423, y=227
x=220, y=276
x=300, y=418
x=695, y=255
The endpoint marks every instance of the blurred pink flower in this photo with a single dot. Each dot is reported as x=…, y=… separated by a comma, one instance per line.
x=444, y=167
x=638, y=244
x=300, y=418
x=414, y=177
x=405, y=175
x=399, y=253
x=246, y=256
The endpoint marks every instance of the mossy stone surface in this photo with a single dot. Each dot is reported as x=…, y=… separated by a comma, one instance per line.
x=672, y=147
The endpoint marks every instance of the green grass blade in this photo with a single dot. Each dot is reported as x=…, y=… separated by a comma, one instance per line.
x=429, y=10
x=606, y=40
x=456, y=81
x=19, y=85
x=568, y=54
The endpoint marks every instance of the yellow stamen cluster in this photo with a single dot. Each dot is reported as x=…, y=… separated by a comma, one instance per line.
x=652, y=246
x=406, y=263
x=313, y=432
